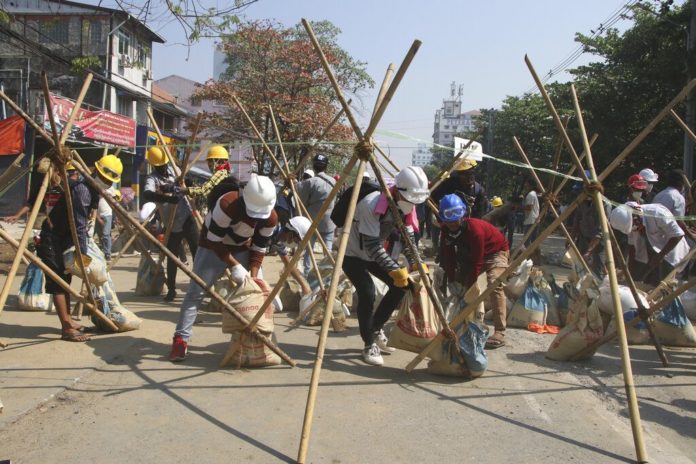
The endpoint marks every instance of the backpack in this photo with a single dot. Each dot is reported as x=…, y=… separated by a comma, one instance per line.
x=228, y=184
x=338, y=215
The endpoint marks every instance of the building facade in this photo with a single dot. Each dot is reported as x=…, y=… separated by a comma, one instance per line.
x=450, y=120
x=421, y=156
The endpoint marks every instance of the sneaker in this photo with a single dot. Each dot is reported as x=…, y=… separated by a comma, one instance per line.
x=171, y=294
x=382, y=341
x=371, y=355
x=179, y=349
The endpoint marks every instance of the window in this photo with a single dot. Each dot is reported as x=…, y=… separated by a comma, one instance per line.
x=95, y=32
x=141, y=57
x=54, y=31
x=124, y=106
x=123, y=43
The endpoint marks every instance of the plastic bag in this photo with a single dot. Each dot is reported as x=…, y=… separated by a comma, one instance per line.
x=672, y=326
x=471, y=339
x=31, y=296
x=530, y=307
x=606, y=302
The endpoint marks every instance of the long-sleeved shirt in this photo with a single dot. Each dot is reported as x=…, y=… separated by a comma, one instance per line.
x=475, y=197
x=204, y=189
x=586, y=221
x=227, y=227
x=57, y=220
x=153, y=192
x=313, y=192
x=467, y=248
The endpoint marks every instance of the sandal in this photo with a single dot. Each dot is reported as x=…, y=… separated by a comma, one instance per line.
x=495, y=341
x=74, y=335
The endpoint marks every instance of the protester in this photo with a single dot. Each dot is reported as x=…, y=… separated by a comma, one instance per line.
x=56, y=237
x=470, y=246
x=531, y=217
x=307, y=174
x=366, y=256
x=673, y=199
x=284, y=238
x=636, y=188
x=654, y=238
x=586, y=232
x=161, y=188
x=313, y=192
x=219, y=165
x=651, y=178
x=105, y=220
x=236, y=234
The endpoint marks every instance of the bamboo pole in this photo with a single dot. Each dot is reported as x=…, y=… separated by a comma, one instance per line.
x=383, y=89
x=551, y=208
x=28, y=228
x=634, y=291
x=194, y=277
x=12, y=171
x=129, y=242
x=636, y=427
x=308, y=153
x=683, y=125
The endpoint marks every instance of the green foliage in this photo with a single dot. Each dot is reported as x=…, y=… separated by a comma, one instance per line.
x=85, y=63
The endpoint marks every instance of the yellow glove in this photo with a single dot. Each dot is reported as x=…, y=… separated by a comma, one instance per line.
x=414, y=268
x=400, y=277
x=86, y=261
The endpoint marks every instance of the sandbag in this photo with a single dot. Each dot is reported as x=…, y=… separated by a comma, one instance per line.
x=530, y=307
x=471, y=339
x=606, y=303
x=517, y=282
x=635, y=335
x=222, y=287
x=672, y=326
x=316, y=315
x=252, y=352
x=290, y=295
x=95, y=268
x=31, y=296
x=416, y=322
x=688, y=300
x=584, y=327
x=551, y=292
x=247, y=299
x=147, y=284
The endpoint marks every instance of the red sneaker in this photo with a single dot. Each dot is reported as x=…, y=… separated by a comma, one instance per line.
x=179, y=349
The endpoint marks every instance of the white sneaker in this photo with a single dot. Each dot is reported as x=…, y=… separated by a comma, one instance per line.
x=371, y=355
x=382, y=341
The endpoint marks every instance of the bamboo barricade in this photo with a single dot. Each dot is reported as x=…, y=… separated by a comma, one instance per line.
x=310, y=150
x=363, y=152
x=194, y=277
x=12, y=171
x=28, y=228
x=134, y=236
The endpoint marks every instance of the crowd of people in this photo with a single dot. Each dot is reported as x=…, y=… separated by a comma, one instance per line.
x=471, y=234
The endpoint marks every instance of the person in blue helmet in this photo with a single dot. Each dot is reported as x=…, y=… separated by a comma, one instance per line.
x=587, y=233
x=470, y=246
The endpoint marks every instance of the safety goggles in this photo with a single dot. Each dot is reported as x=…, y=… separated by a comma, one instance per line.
x=452, y=214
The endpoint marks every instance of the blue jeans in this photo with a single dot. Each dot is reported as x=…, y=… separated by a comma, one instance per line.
x=106, y=235
x=328, y=239
x=209, y=268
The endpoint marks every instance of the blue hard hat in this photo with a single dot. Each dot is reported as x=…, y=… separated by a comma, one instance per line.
x=577, y=186
x=452, y=208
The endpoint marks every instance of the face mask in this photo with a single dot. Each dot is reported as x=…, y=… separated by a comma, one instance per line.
x=649, y=188
x=636, y=195
x=405, y=206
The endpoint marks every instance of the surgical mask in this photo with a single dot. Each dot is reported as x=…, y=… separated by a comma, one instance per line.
x=649, y=188
x=637, y=195
x=405, y=206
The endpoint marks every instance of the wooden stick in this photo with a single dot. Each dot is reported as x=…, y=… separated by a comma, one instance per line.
x=310, y=150
x=134, y=235
x=28, y=229
x=75, y=110
x=194, y=277
x=683, y=125
x=28, y=119
x=636, y=296
x=204, y=149
x=641, y=453
x=383, y=89
x=12, y=171
x=323, y=334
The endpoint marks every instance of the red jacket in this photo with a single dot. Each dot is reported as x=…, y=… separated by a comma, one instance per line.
x=477, y=240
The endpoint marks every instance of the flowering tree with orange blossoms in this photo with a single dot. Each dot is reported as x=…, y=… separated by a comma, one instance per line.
x=269, y=64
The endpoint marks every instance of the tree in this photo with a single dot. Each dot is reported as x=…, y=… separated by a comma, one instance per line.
x=269, y=64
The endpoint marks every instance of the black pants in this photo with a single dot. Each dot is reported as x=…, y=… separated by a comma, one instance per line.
x=50, y=250
x=190, y=233
x=358, y=271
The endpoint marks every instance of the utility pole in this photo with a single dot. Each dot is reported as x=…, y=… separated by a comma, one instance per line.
x=691, y=98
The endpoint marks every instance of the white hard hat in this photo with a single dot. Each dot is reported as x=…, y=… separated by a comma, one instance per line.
x=649, y=175
x=621, y=218
x=299, y=224
x=259, y=196
x=309, y=172
x=367, y=175
x=412, y=183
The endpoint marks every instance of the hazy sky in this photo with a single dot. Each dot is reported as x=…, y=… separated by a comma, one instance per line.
x=478, y=44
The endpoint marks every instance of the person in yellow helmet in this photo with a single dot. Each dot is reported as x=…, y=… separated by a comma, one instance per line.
x=496, y=202
x=218, y=163
x=109, y=167
x=161, y=188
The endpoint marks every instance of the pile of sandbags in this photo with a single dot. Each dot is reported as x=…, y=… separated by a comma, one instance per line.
x=583, y=326
x=672, y=326
x=517, y=282
x=688, y=300
x=31, y=295
x=636, y=335
x=465, y=358
x=247, y=299
x=416, y=322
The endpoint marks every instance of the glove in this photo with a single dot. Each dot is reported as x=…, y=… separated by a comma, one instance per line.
x=400, y=277
x=90, y=229
x=238, y=273
x=414, y=268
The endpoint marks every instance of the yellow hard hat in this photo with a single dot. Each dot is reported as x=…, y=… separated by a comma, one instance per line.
x=466, y=165
x=69, y=166
x=217, y=152
x=156, y=156
x=497, y=201
x=111, y=167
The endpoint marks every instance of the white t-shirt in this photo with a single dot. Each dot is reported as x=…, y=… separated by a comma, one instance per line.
x=531, y=216
x=673, y=200
x=367, y=222
x=660, y=227
x=103, y=208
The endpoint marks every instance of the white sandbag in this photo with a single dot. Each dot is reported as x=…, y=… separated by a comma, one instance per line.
x=252, y=352
x=688, y=300
x=146, y=210
x=628, y=303
x=222, y=287
x=95, y=268
x=247, y=299
x=517, y=282
x=147, y=283
x=530, y=307
x=583, y=328
x=316, y=315
x=672, y=326
x=416, y=323
x=31, y=296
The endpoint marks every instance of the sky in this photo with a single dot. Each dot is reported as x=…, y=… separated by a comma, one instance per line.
x=477, y=44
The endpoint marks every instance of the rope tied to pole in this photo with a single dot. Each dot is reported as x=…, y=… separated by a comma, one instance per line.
x=363, y=150
x=594, y=186
x=551, y=198
x=60, y=155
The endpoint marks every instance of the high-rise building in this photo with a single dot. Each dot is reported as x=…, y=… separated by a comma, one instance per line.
x=449, y=119
x=421, y=156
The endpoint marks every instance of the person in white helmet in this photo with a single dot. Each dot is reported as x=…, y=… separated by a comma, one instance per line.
x=285, y=237
x=235, y=235
x=365, y=255
x=651, y=178
x=654, y=238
